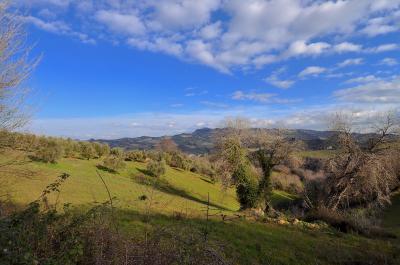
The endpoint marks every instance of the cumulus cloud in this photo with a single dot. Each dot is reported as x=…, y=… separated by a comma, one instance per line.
x=388, y=61
x=347, y=47
x=121, y=23
x=261, y=97
x=374, y=91
x=363, y=79
x=302, y=48
x=245, y=33
x=353, y=61
x=275, y=80
x=312, y=70
x=384, y=48
x=58, y=27
x=181, y=14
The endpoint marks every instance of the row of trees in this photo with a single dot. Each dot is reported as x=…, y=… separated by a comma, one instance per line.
x=51, y=149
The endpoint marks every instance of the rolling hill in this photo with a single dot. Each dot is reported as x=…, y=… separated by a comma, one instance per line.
x=201, y=141
x=182, y=193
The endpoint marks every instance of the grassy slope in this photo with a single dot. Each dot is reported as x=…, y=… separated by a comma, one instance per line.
x=244, y=241
x=392, y=216
x=187, y=191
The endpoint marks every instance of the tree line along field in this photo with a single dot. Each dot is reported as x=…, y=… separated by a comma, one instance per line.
x=181, y=200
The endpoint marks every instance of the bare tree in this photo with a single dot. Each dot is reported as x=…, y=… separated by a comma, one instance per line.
x=15, y=68
x=167, y=145
x=361, y=174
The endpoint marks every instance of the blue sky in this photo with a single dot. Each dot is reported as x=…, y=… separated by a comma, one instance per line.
x=114, y=68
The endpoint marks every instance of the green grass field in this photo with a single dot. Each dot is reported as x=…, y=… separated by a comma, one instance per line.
x=178, y=190
x=244, y=241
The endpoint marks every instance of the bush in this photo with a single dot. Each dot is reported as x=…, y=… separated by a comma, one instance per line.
x=137, y=156
x=49, y=151
x=178, y=160
x=87, y=150
x=101, y=149
x=117, y=151
x=157, y=168
x=114, y=163
x=287, y=182
x=246, y=187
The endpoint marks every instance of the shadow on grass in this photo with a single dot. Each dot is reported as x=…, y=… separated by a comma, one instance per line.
x=106, y=169
x=207, y=180
x=255, y=243
x=145, y=172
x=164, y=186
x=37, y=159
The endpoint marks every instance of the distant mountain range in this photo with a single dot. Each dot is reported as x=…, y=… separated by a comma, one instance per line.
x=202, y=141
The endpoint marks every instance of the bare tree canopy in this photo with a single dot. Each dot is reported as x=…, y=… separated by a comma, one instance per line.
x=362, y=174
x=15, y=68
x=167, y=145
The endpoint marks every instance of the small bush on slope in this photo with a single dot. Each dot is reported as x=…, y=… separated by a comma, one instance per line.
x=157, y=168
x=114, y=163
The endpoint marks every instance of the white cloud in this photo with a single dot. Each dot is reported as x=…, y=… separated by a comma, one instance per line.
x=157, y=45
x=121, y=23
x=211, y=31
x=58, y=27
x=312, y=70
x=182, y=14
x=159, y=124
x=384, y=48
x=262, y=97
x=214, y=104
x=347, y=47
x=302, y=48
x=375, y=91
x=274, y=80
x=348, y=62
x=363, y=79
x=378, y=29
x=202, y=52
x=388, y=62
x=244, y=34
x=259, y=97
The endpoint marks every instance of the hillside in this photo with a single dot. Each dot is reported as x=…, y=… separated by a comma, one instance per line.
x=181, y=193
x=201, y=141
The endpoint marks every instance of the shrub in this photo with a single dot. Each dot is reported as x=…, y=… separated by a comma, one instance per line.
x=49, y=151
x=114, y=163
x=101, y=149
x=287, y=182
x=87, y=150
x=117, y=151
x=179, y=161
x=157, y=168
x=137, y=156
x=246, y=187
